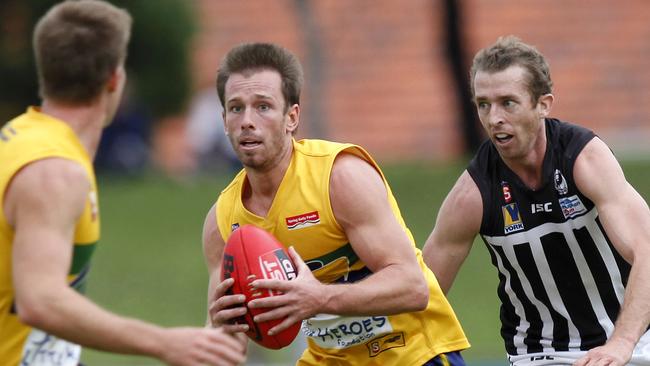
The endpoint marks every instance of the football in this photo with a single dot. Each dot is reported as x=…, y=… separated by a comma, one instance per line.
x=253, y=253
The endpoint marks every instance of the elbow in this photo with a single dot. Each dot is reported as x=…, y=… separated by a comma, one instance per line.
x=419, y=294
x=31, y=313
x=422, y=300
x=37, y=308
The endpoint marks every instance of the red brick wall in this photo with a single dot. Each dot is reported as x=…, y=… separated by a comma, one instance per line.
x=598, y=51
x=385, y=83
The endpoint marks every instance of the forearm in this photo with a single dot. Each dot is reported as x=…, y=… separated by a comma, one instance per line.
x=212, y=283
x=394, y=289
x=71, y=316
x=457, y=224
x=634, y=318
x=444, y=264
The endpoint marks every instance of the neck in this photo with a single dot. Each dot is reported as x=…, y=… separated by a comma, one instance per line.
x=529, y=173
x=529, y=167
x=263, y=184
x=87, y=121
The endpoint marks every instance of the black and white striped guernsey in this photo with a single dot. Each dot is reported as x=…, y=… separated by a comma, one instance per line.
x=561, y=282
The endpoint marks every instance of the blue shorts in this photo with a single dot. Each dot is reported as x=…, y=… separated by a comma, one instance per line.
x=447, y=359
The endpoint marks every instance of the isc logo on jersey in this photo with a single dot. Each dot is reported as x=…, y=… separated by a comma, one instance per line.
x=276, y=265
x=511, y=218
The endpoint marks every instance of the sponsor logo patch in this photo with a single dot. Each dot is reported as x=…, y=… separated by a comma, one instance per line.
x=41, y=348
x=572, y=206
x=511, y=218
x=541, y=207
x=303, y=221
x=381, y=344
x=340, y=332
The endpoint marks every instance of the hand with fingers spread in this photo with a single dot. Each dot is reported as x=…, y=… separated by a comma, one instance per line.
x=225, y=308
x=301, y=297
x=201, y=346
x=616, y=352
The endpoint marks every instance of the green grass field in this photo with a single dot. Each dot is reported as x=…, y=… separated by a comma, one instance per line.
x=149, y=262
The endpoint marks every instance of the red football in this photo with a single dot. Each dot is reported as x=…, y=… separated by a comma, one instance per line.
x=253, y=253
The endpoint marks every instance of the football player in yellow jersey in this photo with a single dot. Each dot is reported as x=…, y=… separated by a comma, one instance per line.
x=363, y=290
x=49, y=217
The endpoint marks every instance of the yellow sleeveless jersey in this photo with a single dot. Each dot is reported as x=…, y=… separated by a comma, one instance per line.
x=301, y=215
x=30, y=137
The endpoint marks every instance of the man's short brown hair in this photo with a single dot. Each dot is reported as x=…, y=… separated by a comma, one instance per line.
x=510, y=51
x=263, y=56
x=78, y=44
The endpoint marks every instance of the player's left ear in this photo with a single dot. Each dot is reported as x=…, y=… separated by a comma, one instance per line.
x=293, y=118
x=544, y=105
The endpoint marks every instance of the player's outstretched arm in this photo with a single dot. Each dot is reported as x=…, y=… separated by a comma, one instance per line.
x=42, y=204
x=457, y=224
x=360, y=204
x=626, y=219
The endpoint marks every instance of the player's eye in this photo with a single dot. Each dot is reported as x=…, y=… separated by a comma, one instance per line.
x=235, y=108
x=483, y=106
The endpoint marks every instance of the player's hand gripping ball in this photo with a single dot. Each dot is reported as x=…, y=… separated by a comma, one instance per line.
x=252, y=253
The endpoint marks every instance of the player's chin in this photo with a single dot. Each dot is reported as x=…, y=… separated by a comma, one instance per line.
x=251, y=159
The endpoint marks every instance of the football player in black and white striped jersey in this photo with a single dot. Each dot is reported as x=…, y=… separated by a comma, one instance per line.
x=569, y=235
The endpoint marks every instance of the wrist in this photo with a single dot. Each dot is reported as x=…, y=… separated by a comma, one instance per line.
x=155, y=343
x=623, y=340
x=329, y=301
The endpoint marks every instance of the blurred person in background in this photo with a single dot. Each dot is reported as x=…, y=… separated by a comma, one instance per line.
x=49, y=216
x=363, y=271
x=210, y=145
x=570, y=237
x=124, y=144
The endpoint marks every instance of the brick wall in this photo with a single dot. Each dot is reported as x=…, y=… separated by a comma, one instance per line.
x=381, y=79
x=598, y=52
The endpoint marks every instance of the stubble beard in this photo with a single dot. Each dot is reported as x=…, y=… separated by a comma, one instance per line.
x=265, y=160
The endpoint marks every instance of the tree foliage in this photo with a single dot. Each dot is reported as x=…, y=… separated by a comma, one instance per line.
x=158, y=62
